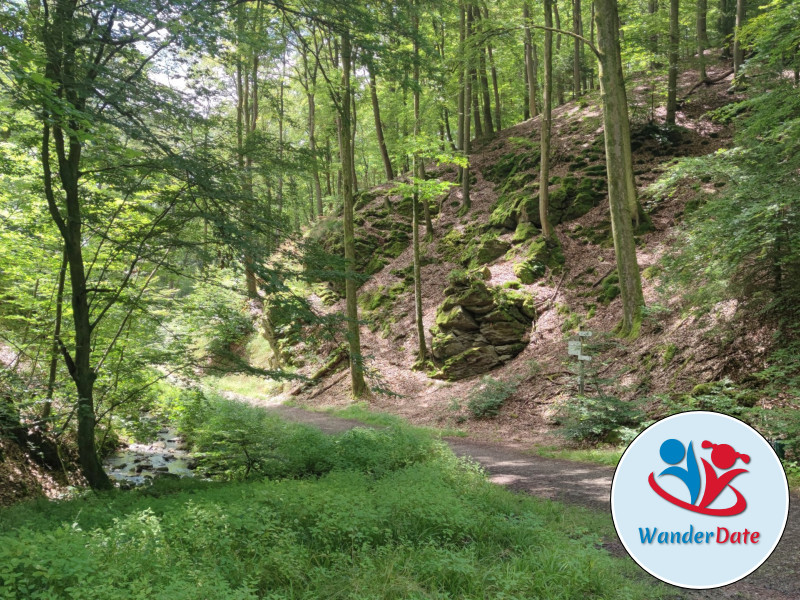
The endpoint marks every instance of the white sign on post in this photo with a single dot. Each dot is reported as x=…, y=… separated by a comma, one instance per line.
x=585, y=333
x=574, y=347
x=586, y=358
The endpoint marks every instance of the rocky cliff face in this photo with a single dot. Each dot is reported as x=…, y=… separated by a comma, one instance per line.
x=478, y=328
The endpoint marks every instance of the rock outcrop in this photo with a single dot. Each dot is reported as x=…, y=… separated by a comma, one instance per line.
x=479, y=328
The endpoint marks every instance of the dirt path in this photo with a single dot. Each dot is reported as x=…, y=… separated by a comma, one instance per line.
x=589, y=485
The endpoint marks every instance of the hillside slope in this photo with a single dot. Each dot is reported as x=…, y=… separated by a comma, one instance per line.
x=675, y=352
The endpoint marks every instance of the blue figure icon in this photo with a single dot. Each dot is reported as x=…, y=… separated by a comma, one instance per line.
x=672, y=452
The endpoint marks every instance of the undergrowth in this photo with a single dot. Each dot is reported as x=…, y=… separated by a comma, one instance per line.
x=367, y=514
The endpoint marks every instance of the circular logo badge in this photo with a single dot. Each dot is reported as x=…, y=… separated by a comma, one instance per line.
x=699, y=500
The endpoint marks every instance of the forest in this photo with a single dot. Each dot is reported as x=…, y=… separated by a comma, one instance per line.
x=286, y=285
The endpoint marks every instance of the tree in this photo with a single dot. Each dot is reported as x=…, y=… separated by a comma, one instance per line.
x=530, y=60
x=547, y=102
x=621, y=189
x=702, y=37
x=359, y=385
x=672, y=84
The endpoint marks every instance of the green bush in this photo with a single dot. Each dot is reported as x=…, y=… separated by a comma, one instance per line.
x=485, y=399
x=600, y=418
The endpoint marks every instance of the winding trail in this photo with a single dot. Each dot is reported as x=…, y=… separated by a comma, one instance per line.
x=590, y=486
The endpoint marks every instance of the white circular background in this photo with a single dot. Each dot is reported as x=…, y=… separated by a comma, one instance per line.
x=635, y=505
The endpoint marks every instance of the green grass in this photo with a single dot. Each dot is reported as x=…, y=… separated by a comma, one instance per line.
x=360, y=411
x=379, y=514
x=252, y=386
x=603, y=455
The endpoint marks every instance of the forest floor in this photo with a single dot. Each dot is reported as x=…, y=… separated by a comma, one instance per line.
x=590, y=486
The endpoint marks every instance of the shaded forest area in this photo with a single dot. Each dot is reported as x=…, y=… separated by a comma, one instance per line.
x=403, y=207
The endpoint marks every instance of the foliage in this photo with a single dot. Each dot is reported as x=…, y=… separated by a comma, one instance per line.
x=486, y=398
x=434, y=529
x=598, y=418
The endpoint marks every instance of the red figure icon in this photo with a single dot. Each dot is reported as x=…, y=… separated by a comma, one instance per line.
x=724, y=457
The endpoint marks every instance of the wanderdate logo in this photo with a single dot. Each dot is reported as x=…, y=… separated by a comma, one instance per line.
x=699, y=500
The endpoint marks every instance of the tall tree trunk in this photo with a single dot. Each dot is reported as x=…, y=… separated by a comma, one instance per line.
x=652, y=8
x=621, y=192
x=376, y=112
x=672, y=79
x=462, y=22
x=577, y=28
x=530, y=66
x=559, y=76
x=476, y=105
x=54, y=351
x=726, y=22
x=738, y=51
x=466, y=202
x=526, y=105
x=484, y=79
x=702, y=37
x=495, y=87
x=547, y=103
x=359, y=386
x=418, y=174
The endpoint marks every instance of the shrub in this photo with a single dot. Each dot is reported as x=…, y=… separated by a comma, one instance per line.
x=485, y=399
x=600, y=418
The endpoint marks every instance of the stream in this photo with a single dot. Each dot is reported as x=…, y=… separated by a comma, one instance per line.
x=138, y=464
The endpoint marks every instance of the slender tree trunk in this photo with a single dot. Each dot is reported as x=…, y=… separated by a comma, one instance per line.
x=422, y=351
x=577, y=27
x=461, y=83
x=702, y=37
x=738, y=51
x=672, y=80
x=466, y=202
x=495, y=87
x=652, y=8
x=376, y=112
x=484, y=79
x=559, y=75
x=619, y=165
x=530, y=66
x=54, y=351
x=547, y=103
x=359, y=386
x=526, y=110
x=476, y=105
x=726, y=23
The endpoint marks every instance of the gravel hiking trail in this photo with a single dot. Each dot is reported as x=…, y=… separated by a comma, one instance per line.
x=590, y=486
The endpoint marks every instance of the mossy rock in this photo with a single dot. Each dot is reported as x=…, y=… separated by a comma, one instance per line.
x=363, y=198
x=529, y=271
x=596, y=170
x=448, y=345
x=455, y=318
x=394, y=249
x=510, y=163
x=473, y=361
x=524, y=231
x=490, y=249
x=547, y=252
x=501, y=328
x=610, y=289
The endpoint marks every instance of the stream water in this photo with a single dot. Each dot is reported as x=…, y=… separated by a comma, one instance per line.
x=137, y=464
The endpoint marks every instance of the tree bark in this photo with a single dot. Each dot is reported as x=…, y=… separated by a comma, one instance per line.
x=621, y=192
x=559, y=76
x=547, y=104
x=376, y=112
x=738, y=51
x=672, y=79
x=466, y=202
x=530, y=67
x=495, y=87
x=484, y=79
x=702, y=37
x=54, y=351
x=359, y=386
x=577, y=27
